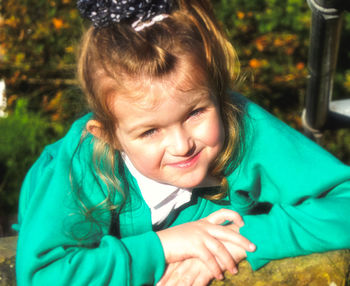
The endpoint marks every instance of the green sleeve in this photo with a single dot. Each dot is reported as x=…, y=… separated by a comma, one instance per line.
x=57, y=247
x=308, y=189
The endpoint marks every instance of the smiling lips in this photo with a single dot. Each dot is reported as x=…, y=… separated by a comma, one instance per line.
x=186, y=163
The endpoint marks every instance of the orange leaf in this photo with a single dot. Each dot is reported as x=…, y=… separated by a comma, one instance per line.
x=300, y=65
x=69, y=49
x=255, y=63
x=58, y=23
x=240, y=15
x=261, y=43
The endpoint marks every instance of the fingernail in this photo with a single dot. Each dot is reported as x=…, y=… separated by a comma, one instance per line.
x=220, y=277
x=252, y=246
x=234, y=271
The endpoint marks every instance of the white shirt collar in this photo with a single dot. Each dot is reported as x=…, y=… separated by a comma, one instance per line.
x=161, y=198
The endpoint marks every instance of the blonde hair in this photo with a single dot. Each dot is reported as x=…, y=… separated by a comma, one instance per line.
x=113, y=54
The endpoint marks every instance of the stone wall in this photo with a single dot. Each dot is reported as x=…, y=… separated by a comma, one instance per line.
x=327, y=269
x=7, y=260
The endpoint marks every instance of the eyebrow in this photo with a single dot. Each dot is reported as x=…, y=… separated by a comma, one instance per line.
x=198, y=97
x=141, y=128
x=196, y=92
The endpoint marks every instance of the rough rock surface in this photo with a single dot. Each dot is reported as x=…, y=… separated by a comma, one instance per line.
x=327, y=269
x=7, y=261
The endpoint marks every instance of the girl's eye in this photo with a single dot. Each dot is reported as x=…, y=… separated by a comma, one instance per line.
x=196, y=112
x=148, y=133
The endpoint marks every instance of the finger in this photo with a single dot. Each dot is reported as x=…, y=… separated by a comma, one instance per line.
x=186, y=280
x=233, y=227
x=224, y=215
x=251, y=246
x=167, y=274
x=173, y=280
x=208, y=258
x=200, y=274
x=225, y=233
x=237, y=253
x=222, y=255
x=184, y=273
x=203, y=279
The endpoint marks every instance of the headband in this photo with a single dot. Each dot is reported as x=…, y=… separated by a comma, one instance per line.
x=137, y=13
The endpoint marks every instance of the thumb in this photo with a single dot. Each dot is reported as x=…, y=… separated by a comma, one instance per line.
x=224, y=215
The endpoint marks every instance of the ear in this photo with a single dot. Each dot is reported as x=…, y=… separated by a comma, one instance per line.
x=95, y=128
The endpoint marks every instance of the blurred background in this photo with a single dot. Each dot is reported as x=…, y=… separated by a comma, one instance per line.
x=39, y=95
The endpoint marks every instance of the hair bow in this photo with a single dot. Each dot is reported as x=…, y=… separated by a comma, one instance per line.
x=103, y=13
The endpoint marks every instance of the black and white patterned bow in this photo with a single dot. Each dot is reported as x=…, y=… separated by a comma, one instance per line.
x=103, y=13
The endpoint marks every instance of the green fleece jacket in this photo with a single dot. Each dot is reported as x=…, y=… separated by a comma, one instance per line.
x=294, y=198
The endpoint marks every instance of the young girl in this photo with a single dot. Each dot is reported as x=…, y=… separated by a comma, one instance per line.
x=151, y=187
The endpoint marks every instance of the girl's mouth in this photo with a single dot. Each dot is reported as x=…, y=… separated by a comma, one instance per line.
x=187, y=163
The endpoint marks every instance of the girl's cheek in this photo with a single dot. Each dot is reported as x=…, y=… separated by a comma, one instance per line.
x=151, y=153
x=220, y=129
x=214, y=132
x=221, y=133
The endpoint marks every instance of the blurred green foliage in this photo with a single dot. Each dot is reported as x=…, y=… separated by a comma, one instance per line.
x=38, y=44
x=23, y=136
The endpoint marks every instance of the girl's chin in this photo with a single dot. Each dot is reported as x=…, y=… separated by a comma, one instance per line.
x=207, y=181
x=185, y=184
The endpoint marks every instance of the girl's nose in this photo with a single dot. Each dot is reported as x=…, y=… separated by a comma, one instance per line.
x=181, y=143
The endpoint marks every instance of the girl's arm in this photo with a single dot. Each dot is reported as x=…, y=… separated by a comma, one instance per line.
x=308, y=189
x=49, y=250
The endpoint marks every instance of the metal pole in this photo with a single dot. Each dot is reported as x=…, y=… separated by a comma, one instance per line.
x=324, y=43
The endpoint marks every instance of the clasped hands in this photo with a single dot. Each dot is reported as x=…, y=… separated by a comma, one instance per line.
x=199, y=251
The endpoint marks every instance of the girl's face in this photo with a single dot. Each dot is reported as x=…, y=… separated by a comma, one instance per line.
x=170, y=135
